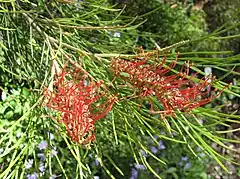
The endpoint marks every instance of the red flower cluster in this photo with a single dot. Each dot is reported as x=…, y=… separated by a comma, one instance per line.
x=175, y=91
x=79, y=102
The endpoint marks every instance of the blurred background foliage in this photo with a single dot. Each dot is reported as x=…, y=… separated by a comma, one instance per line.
x=219, y=12
x=129, y=141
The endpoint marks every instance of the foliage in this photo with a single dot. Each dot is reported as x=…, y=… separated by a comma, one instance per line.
x=219, y=12
x=130, y=140
x=169, y=22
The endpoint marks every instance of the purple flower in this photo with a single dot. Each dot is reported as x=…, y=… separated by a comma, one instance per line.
x=184, y=158
x=161, y=146
x=41, y=156
x=180, y=163
x=188, y=165
x=43, y=145
x=139, y=166
x=96, y=162
x=134, y=173
x=29, y=163
x=96, y=177
x=41, y=167
x=32, y=176
x=154, y=150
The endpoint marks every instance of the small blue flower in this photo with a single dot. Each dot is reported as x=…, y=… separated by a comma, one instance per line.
x=139, y=166
x=29, y=163
x=154, y=150
x=184, y=158
x=96, y=162
x=180, y=163
x=32, y=176
x=41, y=167
x=161, y=145
x=96, y=177
x=188, y=165
x=134, y=173
x=43, y=145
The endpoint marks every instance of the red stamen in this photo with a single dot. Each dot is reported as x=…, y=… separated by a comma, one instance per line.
x=175, y=92
x=75, y=101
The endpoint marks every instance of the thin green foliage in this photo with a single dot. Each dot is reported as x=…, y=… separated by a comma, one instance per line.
x=87, y=35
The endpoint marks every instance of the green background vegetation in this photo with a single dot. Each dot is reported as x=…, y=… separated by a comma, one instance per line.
x=33, y=33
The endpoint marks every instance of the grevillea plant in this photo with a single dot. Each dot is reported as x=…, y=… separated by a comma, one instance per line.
x=176, y=91
x=80, y=103
x=129, y=141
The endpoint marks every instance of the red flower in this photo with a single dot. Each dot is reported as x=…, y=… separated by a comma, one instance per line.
x=175, y=91
x=80, y=103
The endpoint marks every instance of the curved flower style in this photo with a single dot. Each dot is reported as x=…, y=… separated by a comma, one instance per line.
x=76, y=99
x=175, y=91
